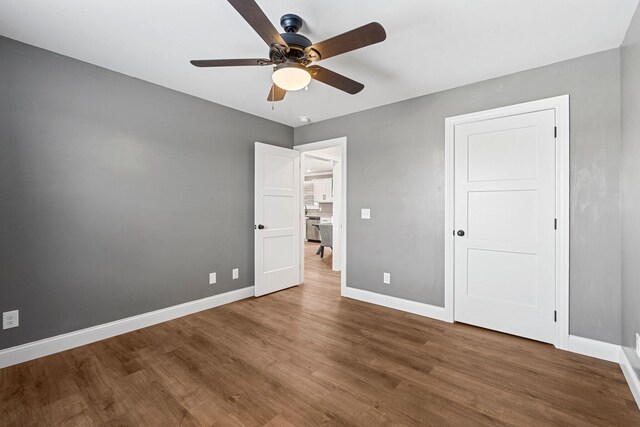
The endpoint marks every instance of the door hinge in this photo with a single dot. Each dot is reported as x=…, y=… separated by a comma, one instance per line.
x=555, y=316
x=555, y=131
x=555, y=223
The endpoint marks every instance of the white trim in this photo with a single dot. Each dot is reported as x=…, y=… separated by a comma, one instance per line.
x=418, y=308
x=449, y=203
x=330, y=172
x=563, y=197
x=630, y=375
x=323, y=156
x=561, y=106
x=598, y=349
x=47, y=346
x=342, y=143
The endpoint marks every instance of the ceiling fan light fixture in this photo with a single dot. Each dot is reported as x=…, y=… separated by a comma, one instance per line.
x=293, y=54
x=291, y=76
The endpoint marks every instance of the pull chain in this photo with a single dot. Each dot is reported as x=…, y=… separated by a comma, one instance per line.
x=273, y=95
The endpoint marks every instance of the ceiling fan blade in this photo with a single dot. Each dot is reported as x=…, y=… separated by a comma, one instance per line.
x=230, y=62
x=276, y=93
x=255, y=17
x=351, y=40
x=334, y=79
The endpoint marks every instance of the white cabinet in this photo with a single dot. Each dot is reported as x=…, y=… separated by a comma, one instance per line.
x=323, y=190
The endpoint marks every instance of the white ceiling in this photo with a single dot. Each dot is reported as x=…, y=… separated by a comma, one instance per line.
x=431, y=45
x=321, y=160
x=312, y=165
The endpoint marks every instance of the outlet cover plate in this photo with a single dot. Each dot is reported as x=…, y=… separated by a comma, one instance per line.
x=365, y=213
x=10, y=319
x=386, y=278
x=235, y=273
x=212, y=278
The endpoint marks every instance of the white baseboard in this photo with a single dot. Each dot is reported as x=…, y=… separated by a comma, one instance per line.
x=630, y=376
x=418, y=308
x=47, y=346
x=598, y=349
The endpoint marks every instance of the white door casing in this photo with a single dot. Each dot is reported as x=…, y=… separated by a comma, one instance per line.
x=337, y=216
x=277, y=206
x=505, y=203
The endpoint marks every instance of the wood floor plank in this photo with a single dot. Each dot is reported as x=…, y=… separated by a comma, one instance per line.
x=307, y=356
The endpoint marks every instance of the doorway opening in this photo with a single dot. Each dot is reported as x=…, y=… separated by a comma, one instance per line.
x=323, y=212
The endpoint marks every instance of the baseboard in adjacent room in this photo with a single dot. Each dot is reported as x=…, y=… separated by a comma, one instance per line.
x=418, y=308
x=47, y=346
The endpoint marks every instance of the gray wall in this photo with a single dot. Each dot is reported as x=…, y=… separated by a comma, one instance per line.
x=631, y=188
x=396, y=168
x=117, y=197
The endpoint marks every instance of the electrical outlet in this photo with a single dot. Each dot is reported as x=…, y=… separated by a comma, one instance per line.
x=10, y=319
x=212, y=278
x=235, y=274
x=638, y=344
x=386, y=278
x=365, y=213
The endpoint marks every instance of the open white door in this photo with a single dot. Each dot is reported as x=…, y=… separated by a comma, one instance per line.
x=277, y=218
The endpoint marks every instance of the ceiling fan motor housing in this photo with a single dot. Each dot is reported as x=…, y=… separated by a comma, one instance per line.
x=297, y=42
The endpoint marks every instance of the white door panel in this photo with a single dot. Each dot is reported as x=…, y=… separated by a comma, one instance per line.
x=505, y=204
x=489, y=220
x=508, y=277
x=277, y=206
x=502, y=154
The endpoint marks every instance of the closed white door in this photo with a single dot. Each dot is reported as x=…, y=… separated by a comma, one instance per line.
x=277, y=218
x=505, y=224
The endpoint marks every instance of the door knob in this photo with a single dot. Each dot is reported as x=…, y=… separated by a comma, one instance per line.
x=260, y=227
x=460, y=233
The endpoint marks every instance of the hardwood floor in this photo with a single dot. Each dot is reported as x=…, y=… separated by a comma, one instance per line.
x=306, y=356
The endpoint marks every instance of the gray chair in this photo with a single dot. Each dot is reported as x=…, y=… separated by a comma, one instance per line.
x=326, y=238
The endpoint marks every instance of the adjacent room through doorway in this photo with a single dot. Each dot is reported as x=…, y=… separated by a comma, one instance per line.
x=322, y=170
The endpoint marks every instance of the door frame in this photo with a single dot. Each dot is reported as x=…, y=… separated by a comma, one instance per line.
x=561, y=106
x=329, y=143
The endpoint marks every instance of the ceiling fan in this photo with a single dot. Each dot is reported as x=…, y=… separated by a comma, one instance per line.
x=293, y=55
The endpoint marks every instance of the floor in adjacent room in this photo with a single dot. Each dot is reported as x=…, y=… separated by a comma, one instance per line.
x=307, y=356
